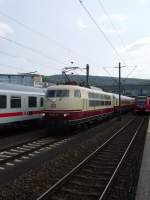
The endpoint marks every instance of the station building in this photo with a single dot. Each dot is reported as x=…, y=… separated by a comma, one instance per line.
x=27, y=79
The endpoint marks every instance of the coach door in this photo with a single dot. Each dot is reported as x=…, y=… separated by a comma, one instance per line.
x=84, y=104
x=147, y=106
x=25, y=105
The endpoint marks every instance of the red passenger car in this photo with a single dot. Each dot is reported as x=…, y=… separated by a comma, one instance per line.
x=147, y=106
x=141, y=104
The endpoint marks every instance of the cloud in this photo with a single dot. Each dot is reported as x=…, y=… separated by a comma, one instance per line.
x=137, y=54
x=5, y=29
x=142, y=2
x=117, y=19
x=139, y=45
x=81, y=24
x=114, y=17
x=113, y=23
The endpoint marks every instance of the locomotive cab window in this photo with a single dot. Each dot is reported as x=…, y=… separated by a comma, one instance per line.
x=32, y=102
x=3, y=101
x=41, y=102
x=50, y=93
x=15, y=102
x=57, y=93
x=62, y=93
x=77, y=93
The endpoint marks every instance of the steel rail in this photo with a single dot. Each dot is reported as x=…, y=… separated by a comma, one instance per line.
x=22, y=143
x=26, y=152
x=109, y=184
x=65, y=178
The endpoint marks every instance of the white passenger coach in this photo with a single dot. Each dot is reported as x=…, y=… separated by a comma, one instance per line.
x=20, y=103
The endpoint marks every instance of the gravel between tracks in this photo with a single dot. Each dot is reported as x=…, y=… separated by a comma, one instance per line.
x=31, y=184
x=24, y=137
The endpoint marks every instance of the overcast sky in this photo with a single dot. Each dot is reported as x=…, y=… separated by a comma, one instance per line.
x=63, y=32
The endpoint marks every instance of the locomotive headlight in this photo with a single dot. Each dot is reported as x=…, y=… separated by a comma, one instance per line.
x=66, y=114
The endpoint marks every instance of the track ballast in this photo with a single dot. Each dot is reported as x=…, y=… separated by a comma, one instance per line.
x=95, y=176
x=14, y=154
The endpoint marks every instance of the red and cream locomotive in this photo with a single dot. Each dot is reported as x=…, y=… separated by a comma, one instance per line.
x=73, y=104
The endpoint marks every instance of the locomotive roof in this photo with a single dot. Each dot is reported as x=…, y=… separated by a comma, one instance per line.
x=20, y=88
x=75, y=87
x=94, y=89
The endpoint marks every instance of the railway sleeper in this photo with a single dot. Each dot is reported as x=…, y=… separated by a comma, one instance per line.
x=103, y=163
x=106, y=172
x=107, y=160
x=100, y=180
x=89, y=177
x=117, y=196
x=104, y=167
x=85, y=184
x=97, y=173
x=85, y=192
x=84, y=187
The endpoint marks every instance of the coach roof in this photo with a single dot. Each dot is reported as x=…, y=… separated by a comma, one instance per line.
x=20, y=88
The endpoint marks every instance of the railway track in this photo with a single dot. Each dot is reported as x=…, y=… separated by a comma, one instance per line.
x=14, y=154
x=94, y=177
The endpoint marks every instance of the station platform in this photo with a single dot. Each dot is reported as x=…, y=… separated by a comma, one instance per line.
x=143, y=189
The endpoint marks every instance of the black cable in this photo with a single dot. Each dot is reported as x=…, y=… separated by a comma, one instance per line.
x=8, y=54
x=39, y=34
x=26, y=59
x=10, y=66
x=39, y=52
x=112, y=78
x=129, y=74
x=114, y=27
x=101, y=31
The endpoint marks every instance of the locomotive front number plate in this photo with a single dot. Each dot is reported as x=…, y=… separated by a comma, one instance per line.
x=53, y=105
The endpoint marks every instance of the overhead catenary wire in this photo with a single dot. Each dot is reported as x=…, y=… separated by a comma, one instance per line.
x=112, y=78
x=129, y=74
x=39, y=52
x=115, y=80
x=111, y=22
x=31, y=29
x=10, y=66
x=26, y=59
x=47, y=37
x=38, y=33
x=115, y=27
x=101, y=31
x=104, y=35
x=7, y=54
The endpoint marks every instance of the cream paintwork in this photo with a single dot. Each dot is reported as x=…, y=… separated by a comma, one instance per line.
x=75, y=103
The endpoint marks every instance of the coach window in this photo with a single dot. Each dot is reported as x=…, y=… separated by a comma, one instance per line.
x=102, y=103
x=90, y=95
x=77, y=93
x=15, y=102
x=91, y=103
x=32, y=102
x=41, y=102
x=3, y=101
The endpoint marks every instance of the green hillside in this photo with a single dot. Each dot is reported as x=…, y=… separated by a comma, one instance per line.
x=96, y=80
